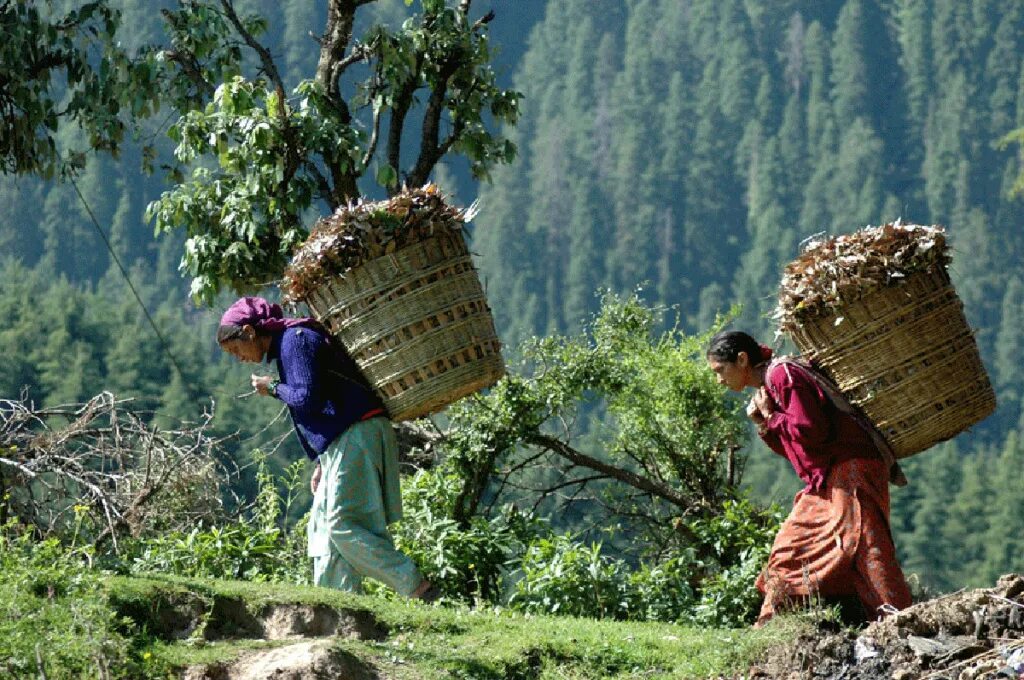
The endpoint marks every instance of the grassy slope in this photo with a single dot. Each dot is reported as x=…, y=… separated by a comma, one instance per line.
x=437, y=642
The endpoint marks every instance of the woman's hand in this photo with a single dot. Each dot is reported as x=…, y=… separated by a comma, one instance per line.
x=764, y=403
x=261, y=383
x=753, y=412
x=760, y=407
x=314, y=481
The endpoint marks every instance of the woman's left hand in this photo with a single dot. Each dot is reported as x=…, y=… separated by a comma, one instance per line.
x=261, y=383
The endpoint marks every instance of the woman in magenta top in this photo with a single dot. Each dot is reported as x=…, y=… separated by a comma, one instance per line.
x=836, y=541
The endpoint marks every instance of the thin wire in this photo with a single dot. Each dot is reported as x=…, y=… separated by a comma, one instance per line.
x=167, y=350
x=193, y=394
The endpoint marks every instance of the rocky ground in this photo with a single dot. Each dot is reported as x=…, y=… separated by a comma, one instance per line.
x=967, y=635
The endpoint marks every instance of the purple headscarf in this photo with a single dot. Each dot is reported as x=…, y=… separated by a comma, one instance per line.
x=263, y=315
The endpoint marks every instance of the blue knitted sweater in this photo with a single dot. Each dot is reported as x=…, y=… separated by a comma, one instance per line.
x=322, y=386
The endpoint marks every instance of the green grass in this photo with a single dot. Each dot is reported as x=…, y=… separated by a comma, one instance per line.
x=437, y=642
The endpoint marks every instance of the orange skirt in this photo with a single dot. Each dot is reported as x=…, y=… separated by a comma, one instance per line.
x=837, y=542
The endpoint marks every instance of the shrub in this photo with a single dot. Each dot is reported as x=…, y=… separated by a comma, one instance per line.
x=562, y=576
x=737, y=542
x=467, y=562
x=54, y=618
x=663, y=591
x=239, y=550
x=257, y=547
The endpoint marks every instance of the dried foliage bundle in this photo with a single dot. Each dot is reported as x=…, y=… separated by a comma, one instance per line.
x=99, y=471
x=366, y=230
x=834, y=272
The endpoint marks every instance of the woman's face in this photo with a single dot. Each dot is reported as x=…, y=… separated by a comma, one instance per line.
x=250, y=347
x=733, y=374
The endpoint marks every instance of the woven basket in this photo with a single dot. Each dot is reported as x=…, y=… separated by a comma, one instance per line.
x=417, y=323
x=905, y=355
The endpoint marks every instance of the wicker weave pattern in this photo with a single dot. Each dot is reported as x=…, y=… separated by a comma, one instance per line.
x=907, y=357
x=417, y=323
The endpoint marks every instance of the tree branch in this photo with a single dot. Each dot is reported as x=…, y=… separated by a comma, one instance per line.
x=266, y=60
x=430, y=152
x=335, y=41
x=399, y=111
x=632, y=479
x=337, y=35
x=292, y=161
x=371, y=148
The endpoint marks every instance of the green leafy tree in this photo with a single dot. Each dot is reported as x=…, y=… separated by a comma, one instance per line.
x=261, y=155
x=66, y=69
x=672, y=450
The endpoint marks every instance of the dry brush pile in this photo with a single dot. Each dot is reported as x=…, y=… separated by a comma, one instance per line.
x=100, y=470
x=366, y=230
x=833, y=272
x=967, y=635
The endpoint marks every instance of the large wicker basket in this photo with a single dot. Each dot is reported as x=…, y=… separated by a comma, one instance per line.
x=417, y=323
x=906, y=356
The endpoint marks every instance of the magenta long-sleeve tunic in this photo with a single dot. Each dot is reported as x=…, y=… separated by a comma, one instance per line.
x=807, y=429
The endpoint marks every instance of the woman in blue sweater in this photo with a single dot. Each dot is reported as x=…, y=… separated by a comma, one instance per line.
x=343, y=427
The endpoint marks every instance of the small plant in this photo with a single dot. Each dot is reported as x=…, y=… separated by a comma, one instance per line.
x=563, y=576
x=54, y=618
x=261, y=547
x=468, y=563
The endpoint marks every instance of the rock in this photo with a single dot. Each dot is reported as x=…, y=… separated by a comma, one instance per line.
x=904, y=673
x=926, y=647
x=310, y=660
x=1010, y=585
x=864, y=648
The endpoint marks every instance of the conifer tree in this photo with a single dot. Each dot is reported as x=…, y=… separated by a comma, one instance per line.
x=632, y=247
x=1004, y=540
x=1009, y=344
x=769, y=244
x=969, y=520
x=913, y=19
x=851, y=86
x=923, y=551
x=819, y=109
x=672, y=280
x=855, y=191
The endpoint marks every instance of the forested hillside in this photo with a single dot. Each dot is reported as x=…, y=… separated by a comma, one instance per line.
x=686, y=146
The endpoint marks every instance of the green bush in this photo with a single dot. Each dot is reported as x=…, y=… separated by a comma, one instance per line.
x=54, y=618
x=737, y=542
x=707, y=581
x=663, y=591
x=563, y=576
x=257, y=547
x=468, y=563
x=240, y=550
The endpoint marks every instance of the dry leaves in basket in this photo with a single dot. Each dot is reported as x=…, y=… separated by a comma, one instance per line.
x=830, y=273
x=367, y=230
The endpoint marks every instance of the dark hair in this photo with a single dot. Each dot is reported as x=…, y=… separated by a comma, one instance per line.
x=727, y=345
x=225, y=333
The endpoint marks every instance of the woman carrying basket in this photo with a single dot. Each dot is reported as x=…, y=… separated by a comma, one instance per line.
x=342, y=426
x=836, y=542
